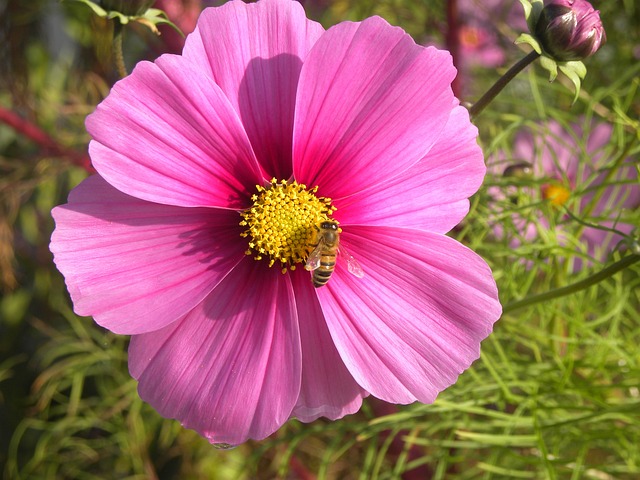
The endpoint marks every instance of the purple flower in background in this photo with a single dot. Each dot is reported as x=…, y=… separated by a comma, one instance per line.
x=479, y=34
x=569, y=29
x=484, y=28
x=480, y=46
x=194, y=234
x=572, y=178
x=184, y=14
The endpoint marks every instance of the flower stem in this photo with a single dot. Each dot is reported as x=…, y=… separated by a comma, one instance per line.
x=118, y=56
x=497, y=87
x=575, y=287
x=453, y=42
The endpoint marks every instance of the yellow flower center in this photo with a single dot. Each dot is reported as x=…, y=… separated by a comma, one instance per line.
x=556, y=194
x=282, y=224
x=469, y=37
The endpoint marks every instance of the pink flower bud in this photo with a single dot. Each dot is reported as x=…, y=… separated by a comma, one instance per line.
x=569, y=29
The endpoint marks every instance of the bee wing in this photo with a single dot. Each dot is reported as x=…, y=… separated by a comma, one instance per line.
x=352, y=264
x=313, y=261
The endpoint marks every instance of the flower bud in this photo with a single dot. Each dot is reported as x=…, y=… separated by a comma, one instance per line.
x=569, y=29
x=127, y=7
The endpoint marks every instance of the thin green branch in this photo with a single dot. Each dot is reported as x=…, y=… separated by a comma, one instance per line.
x=502, y=82
x=118, y=56
x=575, y=287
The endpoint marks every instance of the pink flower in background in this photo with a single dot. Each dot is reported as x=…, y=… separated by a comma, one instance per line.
x=479, y=46
x=572, y=177
x=214, y=165
x=184, y=14
x=487, y=30
x=480, y=34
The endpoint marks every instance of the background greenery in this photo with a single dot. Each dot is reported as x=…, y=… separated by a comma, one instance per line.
x=556, y=393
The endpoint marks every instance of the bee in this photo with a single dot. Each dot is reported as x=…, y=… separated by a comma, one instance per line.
x=322, y=260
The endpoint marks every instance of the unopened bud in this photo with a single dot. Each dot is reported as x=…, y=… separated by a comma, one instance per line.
x=569, y=29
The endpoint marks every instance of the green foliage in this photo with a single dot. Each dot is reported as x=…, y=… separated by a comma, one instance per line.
x=150, y=17
x=554, y=395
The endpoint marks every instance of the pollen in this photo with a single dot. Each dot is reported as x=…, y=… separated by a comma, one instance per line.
x=282, y=224
x=556, y=194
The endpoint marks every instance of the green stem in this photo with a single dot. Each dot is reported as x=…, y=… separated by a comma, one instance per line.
x=575, y=287
x=118, y=56
x=502, y=82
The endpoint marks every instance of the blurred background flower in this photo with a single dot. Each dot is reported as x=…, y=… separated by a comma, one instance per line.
x=480, y=36
x=570, y=167
x=487, y=31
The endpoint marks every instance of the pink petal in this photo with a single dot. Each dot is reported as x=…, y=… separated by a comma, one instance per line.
x=230, y=369
x=137, y=266
x=255, y=53
x=327, y=389
x=415, y=321
x=432, y=194
x=167, y=134
x=370, y=104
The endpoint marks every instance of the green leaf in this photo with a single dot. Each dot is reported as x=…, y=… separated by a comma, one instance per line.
x=151, y=18
x=503, y=440
x=575, y=71
x=527, y=8
x=550, y=65
x=578, y=67
x=97, y=9
x=122, y=18
x=532, y=9
x=158, y=17
x=13, y=307
x=529, y=40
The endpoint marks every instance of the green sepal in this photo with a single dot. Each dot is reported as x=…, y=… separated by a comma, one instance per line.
x=532, y=9
x=97, y=9
x=154, y=17
x=529, y=40
x=575, y=71
x=577, y=66
x=550, y=65
x=151, y=18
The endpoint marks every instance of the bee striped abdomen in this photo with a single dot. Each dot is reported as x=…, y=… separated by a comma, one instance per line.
x=327, y=265
x=322, y=260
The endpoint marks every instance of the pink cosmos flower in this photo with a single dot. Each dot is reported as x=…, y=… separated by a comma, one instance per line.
x=218, y=163
x=573, y=178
